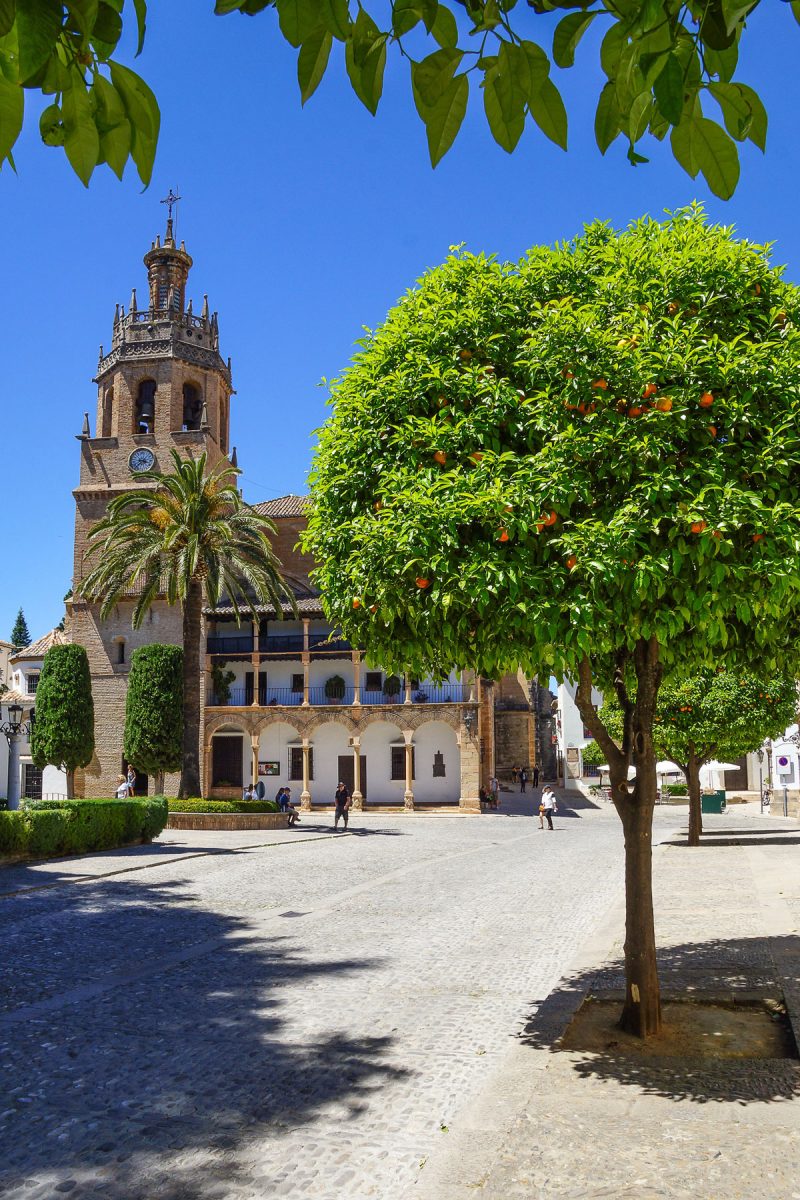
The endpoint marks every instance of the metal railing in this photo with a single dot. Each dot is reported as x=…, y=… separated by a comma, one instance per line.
x=275, y=643
x=230, y=643
x=268, y=697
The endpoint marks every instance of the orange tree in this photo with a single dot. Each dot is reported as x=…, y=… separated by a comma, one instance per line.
x=713, y=714
x=586, y=464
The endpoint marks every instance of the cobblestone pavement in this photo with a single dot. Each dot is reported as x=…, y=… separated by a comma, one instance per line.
x=551, y=1123
x=291, y=1014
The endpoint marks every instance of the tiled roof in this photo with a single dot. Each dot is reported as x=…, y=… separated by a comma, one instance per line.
x=14, y=697
x=309, y=604
x=39, y=648
x=283, y=506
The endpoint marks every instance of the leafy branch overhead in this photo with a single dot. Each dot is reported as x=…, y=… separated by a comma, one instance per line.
x=669, y=68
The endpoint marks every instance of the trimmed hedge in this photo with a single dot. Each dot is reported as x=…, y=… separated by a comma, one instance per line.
x=677, y=789
x=52, y=827
x=198, y=805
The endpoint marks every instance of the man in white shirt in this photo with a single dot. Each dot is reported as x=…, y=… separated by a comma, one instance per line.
x=549, y=805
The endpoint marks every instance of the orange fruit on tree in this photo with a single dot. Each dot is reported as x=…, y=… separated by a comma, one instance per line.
x=503, y=535
x=571, y=562
x=698, y=526
x=550, y=518
x=757, y=288
x=600, y=384
x=378, y=505
x=673, y=307
x=636, y=411
x=582, y=409
x=422, y=582
x=664, y=404
x=712, y=429
x=440, y=457
x=758, y=537
x=716, y=533
x=465, y=355
x=356, y=602
x=706, y=400
x=649, y=391
x=476, y=456
x=567, y=373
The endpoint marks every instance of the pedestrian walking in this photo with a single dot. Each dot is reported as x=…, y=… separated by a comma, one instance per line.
x=547, y=807
x=523, y=779
x=535, y=777
x=514, y=775
x=342, y=803
x=131, y=780
x=494, y=790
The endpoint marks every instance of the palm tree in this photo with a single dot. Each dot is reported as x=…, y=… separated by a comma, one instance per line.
x=190, y=535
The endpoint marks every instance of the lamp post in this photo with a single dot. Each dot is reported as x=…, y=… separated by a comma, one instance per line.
x=760, y=754
x=11, y=729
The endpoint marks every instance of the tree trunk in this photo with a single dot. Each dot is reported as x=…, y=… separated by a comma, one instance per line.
x=695, y=799
x=641, y=1012
x=70, y=784
x=192, y=622
x=159, y=783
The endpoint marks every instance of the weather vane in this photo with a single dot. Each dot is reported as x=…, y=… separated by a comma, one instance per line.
x=169, y=200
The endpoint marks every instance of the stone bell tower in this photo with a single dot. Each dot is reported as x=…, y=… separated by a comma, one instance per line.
x=162, y=386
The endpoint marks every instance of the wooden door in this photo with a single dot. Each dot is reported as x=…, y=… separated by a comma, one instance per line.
x=347, y=773
x=226, y=760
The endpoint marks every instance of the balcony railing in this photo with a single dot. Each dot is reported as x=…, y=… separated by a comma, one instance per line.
x=280, y=642
x=277, y=643
x=230, y=643
x=268, y=697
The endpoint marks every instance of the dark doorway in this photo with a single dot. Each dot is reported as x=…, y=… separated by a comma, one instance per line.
x=142, y=780
x=226, y=760
x=347, y=773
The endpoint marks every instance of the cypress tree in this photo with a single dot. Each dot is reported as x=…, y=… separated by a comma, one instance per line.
x=63, y=732
x=154, y=711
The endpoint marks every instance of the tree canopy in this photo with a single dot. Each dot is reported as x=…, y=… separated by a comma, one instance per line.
x=63, y=732
x=20, y=637
x=586, y=464
x=154, y=710
x=669, y=67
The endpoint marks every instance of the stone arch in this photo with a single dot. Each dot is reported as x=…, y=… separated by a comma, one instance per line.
x=192, y=405
x=382, y=746
x=144, y=420
x=327, y=718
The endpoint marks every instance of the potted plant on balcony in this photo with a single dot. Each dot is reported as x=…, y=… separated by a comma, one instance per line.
x=221, y=681
x=391, y=688
x=334, y=689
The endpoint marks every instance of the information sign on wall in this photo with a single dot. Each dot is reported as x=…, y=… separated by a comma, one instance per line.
x=269, y=768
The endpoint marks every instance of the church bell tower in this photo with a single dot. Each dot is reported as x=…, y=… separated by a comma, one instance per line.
x=162, y=386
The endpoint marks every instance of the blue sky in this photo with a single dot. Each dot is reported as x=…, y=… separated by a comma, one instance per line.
x=304, y=225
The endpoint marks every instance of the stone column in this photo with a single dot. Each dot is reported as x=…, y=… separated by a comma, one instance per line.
x=254, y=739
x=357, y=677
x=407, y=685
x=306, y=661
x=13, y=772
x=358, y=799
x=408, y=794
x=305, y=795
x=469, y=801
x=255, y=661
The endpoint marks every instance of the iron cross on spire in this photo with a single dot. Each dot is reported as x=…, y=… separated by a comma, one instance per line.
x=169, y=200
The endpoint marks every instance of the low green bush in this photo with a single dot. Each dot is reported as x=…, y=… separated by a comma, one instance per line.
x=47, y=827
x=198, y=805
x=677, y=789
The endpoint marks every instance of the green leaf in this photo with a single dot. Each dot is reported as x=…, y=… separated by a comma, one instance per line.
x=607, y=118
x=568, y=34
x=742, y=111
x=7, y=14
x=538, y=66
x=12, y=104
x=110, y=108
x=51, y=126
x=365, y=59
x=312, y=61
x=115, y=147
x=335, y=15
x=81, y=140
x=298, y=19
x=142, y=110
x=668, y=90
x=108, y=26
x=443, y=119
x=701, y=145
x=431, y=77
x=444, y=28
x=505, y=109
x=795, y=7
x=733, y=11
x=547, y=110
x=38, y=27
x=639, y=117
x=140, y=8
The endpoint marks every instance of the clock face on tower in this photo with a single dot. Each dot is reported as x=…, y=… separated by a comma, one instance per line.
x=141, y=460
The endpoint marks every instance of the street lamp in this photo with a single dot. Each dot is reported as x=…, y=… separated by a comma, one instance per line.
x=470, y=721
x=15, y=724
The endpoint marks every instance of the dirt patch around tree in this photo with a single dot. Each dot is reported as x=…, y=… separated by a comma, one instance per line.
x=704, y=1028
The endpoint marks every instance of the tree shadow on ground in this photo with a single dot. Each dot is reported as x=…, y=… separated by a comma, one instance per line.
x=735, y=839
x=718, y=972
x=145, y=1038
